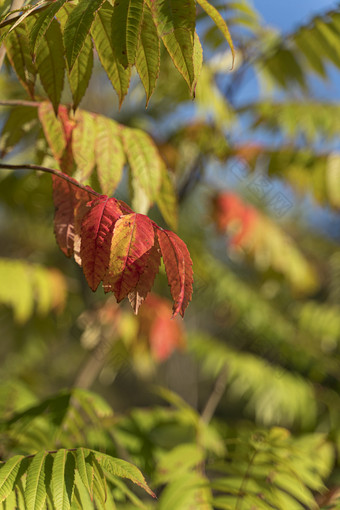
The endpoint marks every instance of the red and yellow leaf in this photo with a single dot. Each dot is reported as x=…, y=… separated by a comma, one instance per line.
x=96, y=235
x=67, y=199
x=146, y=279
x=118, y=246
x=133, y=237
x=178, y=267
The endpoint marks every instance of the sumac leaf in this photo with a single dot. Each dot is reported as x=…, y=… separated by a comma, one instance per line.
x=96, y=234
x=178, y=267
x=133, y=237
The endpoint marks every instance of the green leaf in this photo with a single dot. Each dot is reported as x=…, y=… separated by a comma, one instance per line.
x=53, y=129
x=19, y=55
x=220, y=23
x=43, y=21
x=11, y=502
x=81, y=72
x=8, y=474
x=85, y=469
x=126, y=26
x=19, y=124
x=51, y=64
x=101, y=33
x=63, y=479
x=26, y=11
x=148, y=54
x=123, y=469
x=167, y=200
x=144, y=160
x=110, y=157
x=99, y=481
x=35, y=493
x=175, y=22
x=77, y=28
x=177, y=462
x=185, y=492
x=83, y=142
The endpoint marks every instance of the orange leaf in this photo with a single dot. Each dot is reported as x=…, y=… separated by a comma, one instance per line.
x=178, y=267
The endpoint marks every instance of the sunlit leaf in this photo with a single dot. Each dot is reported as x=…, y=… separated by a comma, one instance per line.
x=50, y=63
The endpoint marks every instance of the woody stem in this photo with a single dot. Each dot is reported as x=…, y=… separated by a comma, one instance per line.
x=52, y=171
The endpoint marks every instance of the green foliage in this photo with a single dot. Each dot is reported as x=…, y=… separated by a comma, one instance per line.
x=28, y=287
x=61, y=476
x=117, y=33
x=271, y=470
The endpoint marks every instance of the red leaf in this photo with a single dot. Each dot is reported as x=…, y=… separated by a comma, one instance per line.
x=230, y=211
x=152, y=262
x=133, y=236
x=164, y=334
x=67, y=199
x=178, y=267
x=96, y=235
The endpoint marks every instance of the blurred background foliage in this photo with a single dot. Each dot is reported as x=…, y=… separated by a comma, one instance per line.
x=248, y=414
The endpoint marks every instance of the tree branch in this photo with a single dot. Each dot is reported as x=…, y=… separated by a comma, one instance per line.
x=216, y=395
x=52, y=171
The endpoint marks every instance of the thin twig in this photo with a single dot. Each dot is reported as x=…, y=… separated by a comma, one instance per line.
x=16, y=4
x=52, y=171
x=94, y=363
x=19, y=102
x=216, y=395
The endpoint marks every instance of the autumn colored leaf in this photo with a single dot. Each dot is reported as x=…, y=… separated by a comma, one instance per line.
x=262, y=239
x=178, y=267
x=227, y=209
x=133, y=237
x=96, y=234
x=146, y=279
x=117, y=246
x=66, y=198
x=163, y=333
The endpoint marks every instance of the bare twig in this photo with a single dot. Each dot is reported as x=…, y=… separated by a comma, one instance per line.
x=19, y=102
x=52, y=171
x=16, y=4
x=94, y=363
x=216, y=395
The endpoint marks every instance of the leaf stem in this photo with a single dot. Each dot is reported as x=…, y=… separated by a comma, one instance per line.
x=52, y=171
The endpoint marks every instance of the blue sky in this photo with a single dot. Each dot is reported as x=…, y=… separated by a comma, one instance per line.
x=287, y=14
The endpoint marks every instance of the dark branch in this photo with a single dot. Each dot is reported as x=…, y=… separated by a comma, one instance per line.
x=50, y=171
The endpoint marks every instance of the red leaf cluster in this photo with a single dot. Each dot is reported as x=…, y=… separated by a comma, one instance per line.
x=117, y=246
x=228, y=211
x=164, y=334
